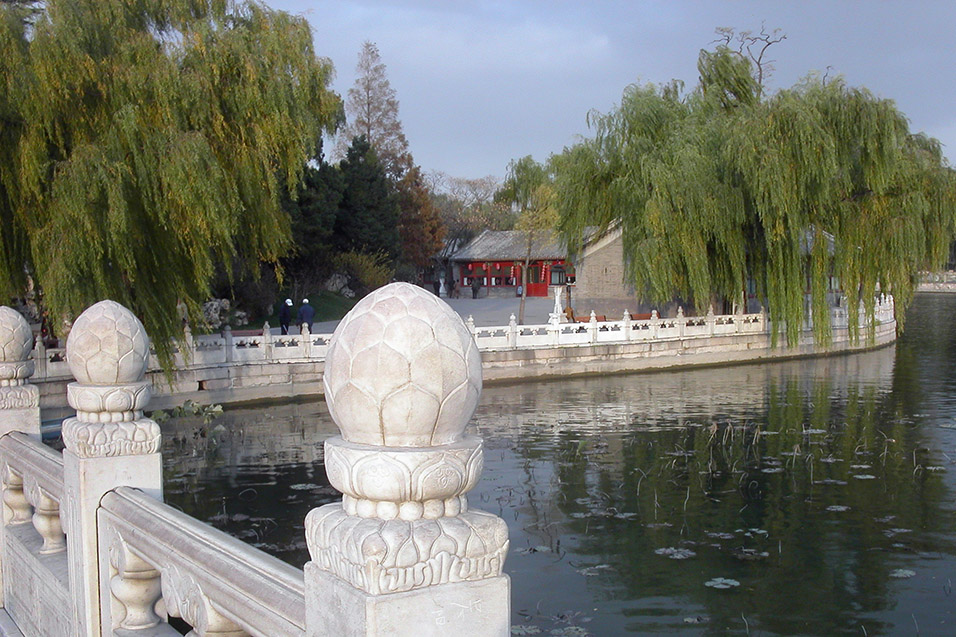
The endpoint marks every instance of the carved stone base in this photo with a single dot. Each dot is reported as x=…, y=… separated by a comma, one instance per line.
x=392, y=556
x=477, y=609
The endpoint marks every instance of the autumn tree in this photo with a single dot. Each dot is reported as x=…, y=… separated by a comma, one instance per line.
x=371, y=109
x=727, y=183
x=468, y=206
x=420, y=226
x=146, y=142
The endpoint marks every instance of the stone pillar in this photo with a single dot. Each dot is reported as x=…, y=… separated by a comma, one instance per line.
x=627, y=325
x=655, y=323
x=711, y=321
x=229, y=343
x=108, y=444
x=592, y=327
x=403, y=553
x=19, y=400
x=19, y=406
x=681, y=321
x=512, y=332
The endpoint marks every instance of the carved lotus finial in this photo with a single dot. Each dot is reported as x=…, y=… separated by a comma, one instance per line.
x=16, y=337
x=402, y=370
x=107, y=346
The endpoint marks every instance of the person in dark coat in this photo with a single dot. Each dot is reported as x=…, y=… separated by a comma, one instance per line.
x=285, y=316
x=475, y=286
x=306, y=314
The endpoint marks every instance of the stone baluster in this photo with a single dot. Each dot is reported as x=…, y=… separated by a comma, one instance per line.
x=190, y=344
x=17, y=509
x=512, y=332
x=592, y=327
x=711, y=320
x=40, y=360
x=403, y=553
x=627, y=325
x=470, y=324
x=108, y=444
x=681, y=321
x=46, y=519
x=19, y=410
x=655, y=324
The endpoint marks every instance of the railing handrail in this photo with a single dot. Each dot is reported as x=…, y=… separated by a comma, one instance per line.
x=31, y=458
x=259, y=592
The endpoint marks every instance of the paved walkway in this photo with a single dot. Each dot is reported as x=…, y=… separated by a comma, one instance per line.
x=491, y=311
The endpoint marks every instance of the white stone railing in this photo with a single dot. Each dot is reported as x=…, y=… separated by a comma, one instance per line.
x=227, y=349
x=402, y=380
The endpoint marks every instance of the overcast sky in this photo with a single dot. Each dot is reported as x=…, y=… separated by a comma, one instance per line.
x=481, y=83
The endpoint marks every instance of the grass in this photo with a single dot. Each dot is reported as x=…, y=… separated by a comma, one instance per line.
x=329, y=306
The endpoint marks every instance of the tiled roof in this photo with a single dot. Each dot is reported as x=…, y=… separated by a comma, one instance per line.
x=510, y=245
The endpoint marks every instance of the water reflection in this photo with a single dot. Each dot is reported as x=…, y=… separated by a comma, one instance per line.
x=814, y=496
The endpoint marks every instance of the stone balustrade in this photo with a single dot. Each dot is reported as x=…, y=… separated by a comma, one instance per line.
x=267, y=357
x=87, y=546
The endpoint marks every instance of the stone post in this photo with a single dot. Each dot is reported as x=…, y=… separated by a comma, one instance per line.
x=229, y=345
x=592, y=327
x=108, y=444
x=512, y=332
x=655, y=324
x=19, y=400
x=711, y=320
x=266, y=341
x=681, y=321
x=403, y=553
x=306, y=335
x=627, y=325
x=19, y=406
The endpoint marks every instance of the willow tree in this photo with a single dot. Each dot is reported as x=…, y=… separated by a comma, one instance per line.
x=527, y=189
x=143, y=143
x=722, y=184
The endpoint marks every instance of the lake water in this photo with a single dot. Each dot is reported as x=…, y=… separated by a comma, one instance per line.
x=809, y=497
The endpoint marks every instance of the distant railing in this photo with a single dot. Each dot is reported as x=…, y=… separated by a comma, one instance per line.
x=228, y=348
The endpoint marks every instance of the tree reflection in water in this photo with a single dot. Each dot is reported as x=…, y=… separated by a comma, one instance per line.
x=810, y=497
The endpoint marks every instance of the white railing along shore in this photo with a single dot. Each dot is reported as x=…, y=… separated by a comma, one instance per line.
x=262, y=346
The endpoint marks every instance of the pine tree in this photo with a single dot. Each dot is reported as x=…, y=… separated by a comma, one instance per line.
x=368, y=215
x=143, y=143
x=372, y=111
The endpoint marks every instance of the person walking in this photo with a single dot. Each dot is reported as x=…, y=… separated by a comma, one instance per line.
x=306, y=314
x=285, y=316
x=475, y=286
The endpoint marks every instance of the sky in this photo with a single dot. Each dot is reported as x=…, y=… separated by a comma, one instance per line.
x=482, y=83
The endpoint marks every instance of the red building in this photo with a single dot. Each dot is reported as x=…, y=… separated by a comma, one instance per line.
x=496, y=257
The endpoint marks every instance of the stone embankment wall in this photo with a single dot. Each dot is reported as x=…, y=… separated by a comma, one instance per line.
x=937, y=282
x=233, y=368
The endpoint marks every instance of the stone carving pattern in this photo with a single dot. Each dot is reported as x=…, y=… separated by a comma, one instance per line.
x=46, y=517
x=185, y=598
x=402, y=379
x=19, y=396
x=135, y=586
x=108, y=351
x=402, y=370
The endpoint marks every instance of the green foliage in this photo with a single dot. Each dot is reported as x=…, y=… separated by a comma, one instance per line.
x=313, y=215
x=722, y=184
x=208, y=413
x=368, y=214
x=365, y=271
x=144, y=143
